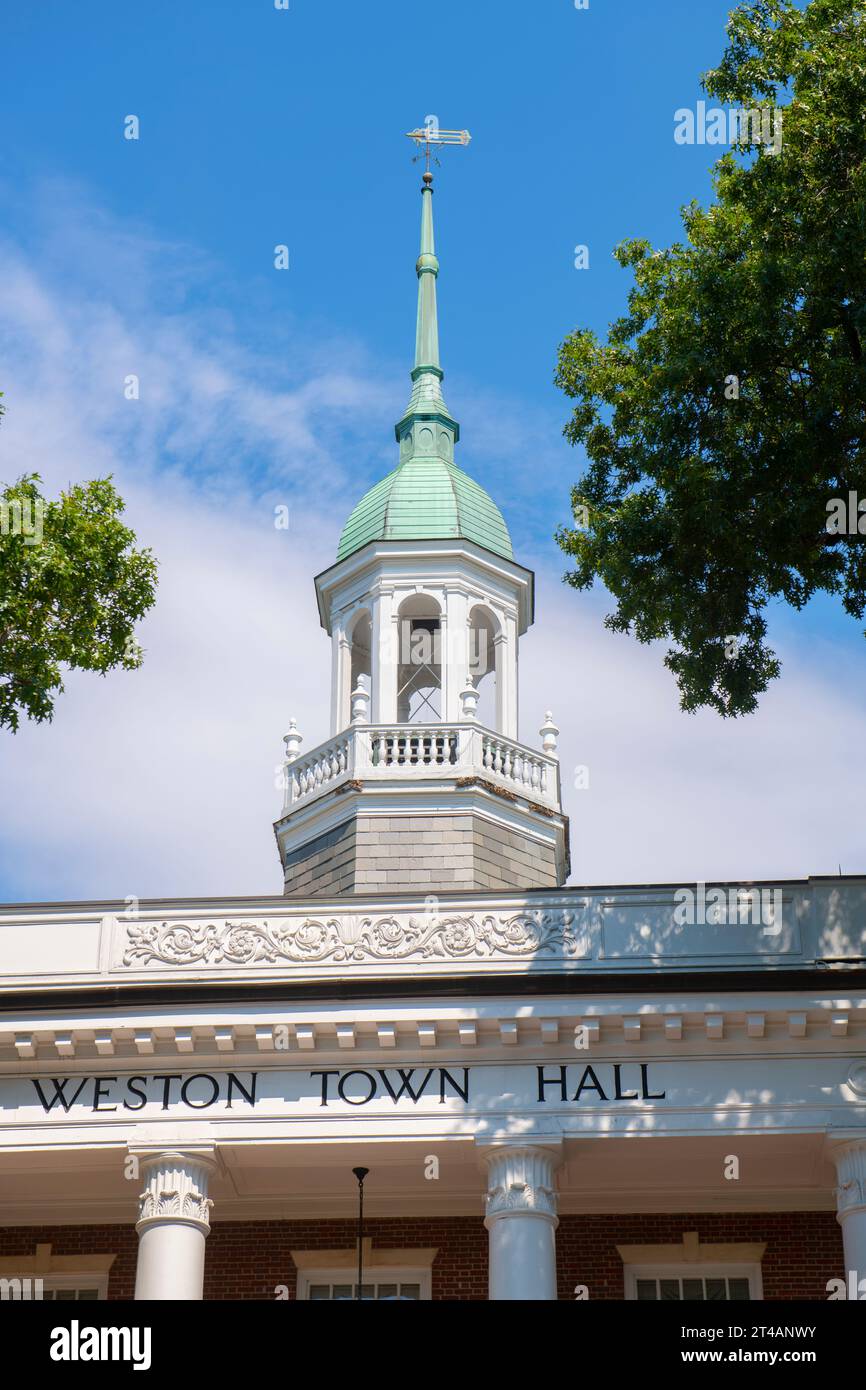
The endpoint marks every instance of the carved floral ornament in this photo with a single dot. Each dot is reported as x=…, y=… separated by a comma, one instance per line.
x=175, y=1190
x=349, y=940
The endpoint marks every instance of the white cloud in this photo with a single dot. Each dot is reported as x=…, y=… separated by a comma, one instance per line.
x=162, y=782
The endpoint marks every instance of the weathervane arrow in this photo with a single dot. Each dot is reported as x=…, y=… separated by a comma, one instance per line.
x=430, y=134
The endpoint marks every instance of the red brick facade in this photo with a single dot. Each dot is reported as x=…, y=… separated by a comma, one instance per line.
x=250, y=1260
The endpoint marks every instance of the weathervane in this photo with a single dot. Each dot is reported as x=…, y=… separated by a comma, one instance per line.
x=430, y=134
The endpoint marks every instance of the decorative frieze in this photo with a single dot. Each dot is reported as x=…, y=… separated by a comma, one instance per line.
x=348, y=940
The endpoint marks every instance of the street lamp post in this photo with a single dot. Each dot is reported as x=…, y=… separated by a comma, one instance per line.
x=360, y=1174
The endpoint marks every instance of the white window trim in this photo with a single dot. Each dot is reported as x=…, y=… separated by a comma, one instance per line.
x=692, y=1270
x=81, y=1279
x=382, y=1274
x=60, y=1271
x=379, y=1267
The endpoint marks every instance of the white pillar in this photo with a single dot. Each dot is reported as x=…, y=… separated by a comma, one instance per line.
x=521, y=1218
x=341, y=677
x=850, y=1161
x=505, y=644
x=455, y=652
x=384, y=655
x=173, y=1224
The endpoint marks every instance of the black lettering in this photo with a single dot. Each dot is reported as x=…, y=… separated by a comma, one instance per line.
x=59, y=1097
x=248, y=1095
x=324, y=1075
x=364, y=1099
x=629, y=1095
x=98, y=1093
x=202, y=1104
x=166, y=1090
x=136, y=1092
x=644, y=1080
x=587, y=1085
x=406, y=1078
x=461, y=1091
x=551, y=1081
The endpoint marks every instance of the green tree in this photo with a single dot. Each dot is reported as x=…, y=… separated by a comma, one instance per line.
x=71, y=590
x=727, y=407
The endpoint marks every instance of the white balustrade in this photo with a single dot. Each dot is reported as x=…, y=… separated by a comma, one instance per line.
x=380, y=752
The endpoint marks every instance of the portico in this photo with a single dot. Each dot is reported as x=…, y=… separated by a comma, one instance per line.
x=517, y=1104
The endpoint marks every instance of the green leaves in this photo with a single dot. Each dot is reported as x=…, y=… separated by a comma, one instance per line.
x=728, y=405
x=72, y=588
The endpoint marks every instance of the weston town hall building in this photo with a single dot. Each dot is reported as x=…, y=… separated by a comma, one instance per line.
x=648, y=1092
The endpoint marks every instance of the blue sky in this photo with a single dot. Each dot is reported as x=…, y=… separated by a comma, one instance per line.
x=261, y=126
x=155, y=256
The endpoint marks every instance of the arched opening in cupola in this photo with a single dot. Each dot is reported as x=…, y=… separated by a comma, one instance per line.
x=360, y=635
x=419, y=660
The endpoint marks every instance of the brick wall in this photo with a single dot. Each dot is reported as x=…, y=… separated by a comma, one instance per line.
x=248, y=1260
x=804, y=1249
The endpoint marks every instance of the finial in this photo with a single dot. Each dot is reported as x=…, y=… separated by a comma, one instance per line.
x=469, y=698
x=359, y=699
x=549, y=735
x=293, y=741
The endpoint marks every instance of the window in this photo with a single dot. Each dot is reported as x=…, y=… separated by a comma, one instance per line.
x=65, y=1293
x=331, y=1276
x=693, y=1283
x=692, y=1271
x=55, y=1278
x=692, y=1288
x=377, y=1291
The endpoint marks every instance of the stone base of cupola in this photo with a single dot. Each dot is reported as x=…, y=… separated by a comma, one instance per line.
x=443, y=808
x=444, y=851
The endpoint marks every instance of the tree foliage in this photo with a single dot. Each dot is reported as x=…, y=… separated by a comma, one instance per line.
x=72, y=588
x=727, y=406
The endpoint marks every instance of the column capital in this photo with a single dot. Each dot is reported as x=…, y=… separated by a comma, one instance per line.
x=176, y=1184
x=849, y=1156
x=520, y=1180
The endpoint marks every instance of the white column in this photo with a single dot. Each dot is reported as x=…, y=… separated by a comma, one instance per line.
x=174, y=1222
x=341, y=677
x=506, y=676
x=521, y=1218
x=850, y=1161
x=383, y=659
x=455, y=652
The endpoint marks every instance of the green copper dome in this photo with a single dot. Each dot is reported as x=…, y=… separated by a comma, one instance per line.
x=426, y=499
